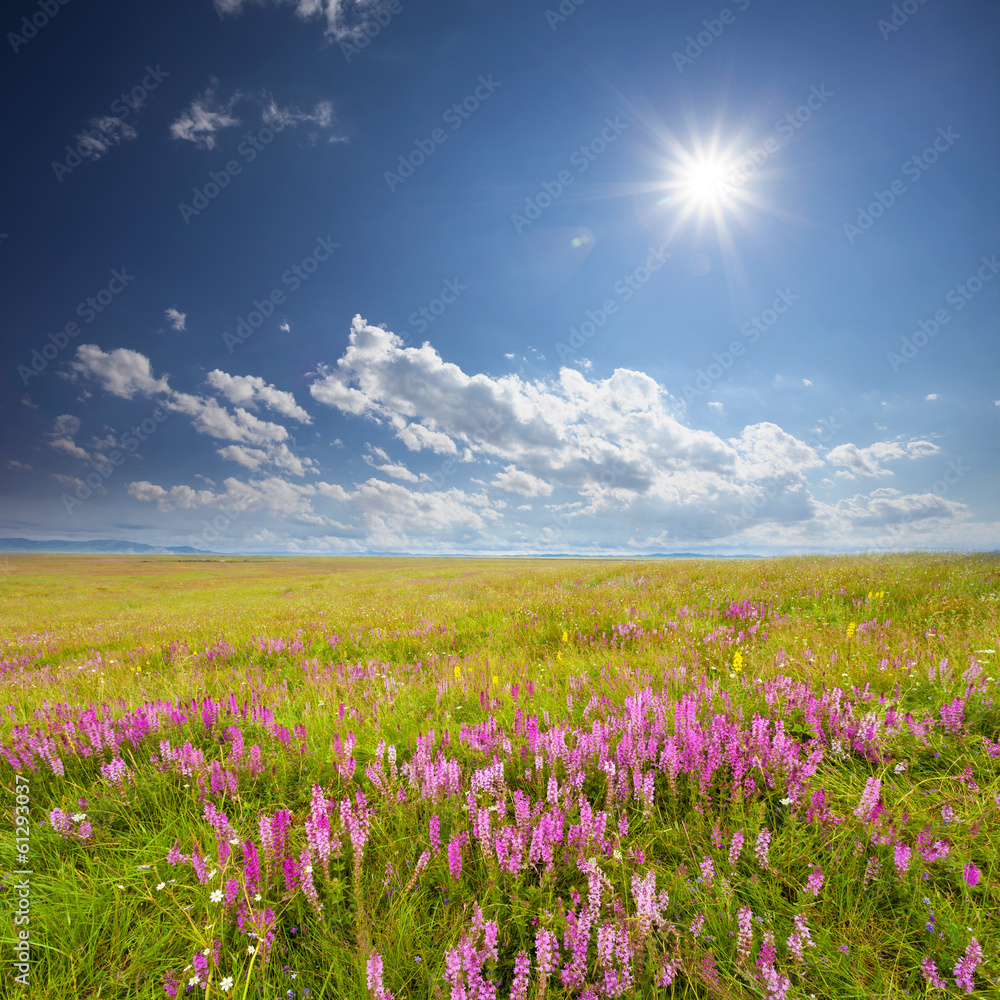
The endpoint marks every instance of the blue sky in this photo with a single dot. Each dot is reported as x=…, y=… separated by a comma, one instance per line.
x=518, y=277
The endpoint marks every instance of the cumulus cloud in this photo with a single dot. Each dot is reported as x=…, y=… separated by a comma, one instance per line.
x=176, y=318
x=257, y=442
x=121, y=372
x=853, y=461
x=889, y=506
x=515, y=480
x=395, y=470
x=386, y=515
x=167, y=499
x=617, y=442
x=248, y=390
x=64, y=430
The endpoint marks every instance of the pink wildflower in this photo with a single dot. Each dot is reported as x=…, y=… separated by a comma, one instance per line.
x=971, y=874
x=966, y=966
x=901, y=858
x=929, y=969
x=735, y=847
x=707, y=870
x=668, y=970
x=745, y=939
x=375, y=978
x=763, y=845
x=799, y=937
x=869, y=807
x=815, y=881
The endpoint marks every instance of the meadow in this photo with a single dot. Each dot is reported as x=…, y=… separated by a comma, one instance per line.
x=468, y=779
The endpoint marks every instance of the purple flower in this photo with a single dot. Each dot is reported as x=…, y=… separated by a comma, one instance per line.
x=971, y=873
x=966, y=966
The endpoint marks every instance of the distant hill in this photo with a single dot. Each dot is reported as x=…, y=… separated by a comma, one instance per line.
x=110, y=545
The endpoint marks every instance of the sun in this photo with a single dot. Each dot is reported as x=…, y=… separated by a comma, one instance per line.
x=705, y=182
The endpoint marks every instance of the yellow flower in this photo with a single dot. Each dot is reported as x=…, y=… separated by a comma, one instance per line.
x=737, y=661
x=458, y=673
x=496, y=680
x=565, y=637
x=870, y=595
x=850, y=629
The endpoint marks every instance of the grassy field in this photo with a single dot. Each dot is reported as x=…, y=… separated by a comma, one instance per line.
x=473, y=779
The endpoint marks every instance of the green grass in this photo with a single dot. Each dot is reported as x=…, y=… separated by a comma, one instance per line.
x=439, y=645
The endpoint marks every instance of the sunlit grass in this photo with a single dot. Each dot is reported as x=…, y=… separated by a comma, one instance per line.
x=492, y=656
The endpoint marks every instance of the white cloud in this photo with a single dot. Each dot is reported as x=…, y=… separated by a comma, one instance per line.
x=931, y=396
x=208, y=417
x=514, y=480
x=121, y=372
x=104, y=133
x=617, y=443
x=64, y=430
x=72, y=482
x=344, y=18
x=888, y=506
x=285, y=327
x=248, y=390
x=868, y=461
x=716, y=406
x=281, y=117
x=261, y=442
x=176, y=496
x=807, y=382
x=205, y=117
x=175, y=318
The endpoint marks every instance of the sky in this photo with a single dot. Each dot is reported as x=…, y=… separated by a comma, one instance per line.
x=501, y=277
